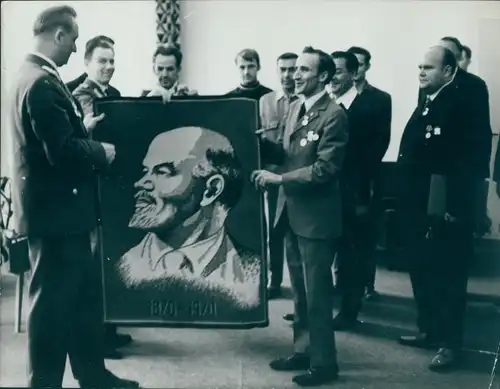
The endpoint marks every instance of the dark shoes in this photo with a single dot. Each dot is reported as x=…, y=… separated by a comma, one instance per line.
x=274, y=292
x=289, y=317
x=112, y=342
x=445, y=359
x=107, y=380
x=317, y=376
x=111, y=353
x=371, y=295
x=118, y=340
x=343, y=323
x=291, y=363
x=314, y=376
x=420, y=341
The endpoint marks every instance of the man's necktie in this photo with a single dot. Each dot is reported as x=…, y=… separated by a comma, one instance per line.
x=302, y=111
x=425, y=107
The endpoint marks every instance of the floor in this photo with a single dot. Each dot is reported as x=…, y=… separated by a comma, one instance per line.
x=369, y=358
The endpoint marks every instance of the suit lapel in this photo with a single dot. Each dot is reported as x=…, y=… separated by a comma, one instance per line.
x=99, y=93
x=311, y=115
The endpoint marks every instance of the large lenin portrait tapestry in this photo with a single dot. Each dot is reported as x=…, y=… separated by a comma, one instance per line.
x=183, y=232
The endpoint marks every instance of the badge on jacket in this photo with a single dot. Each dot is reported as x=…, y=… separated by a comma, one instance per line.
x=432, y=131
x=310, y=137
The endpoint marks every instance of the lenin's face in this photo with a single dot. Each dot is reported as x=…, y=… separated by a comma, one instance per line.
x=167, y=193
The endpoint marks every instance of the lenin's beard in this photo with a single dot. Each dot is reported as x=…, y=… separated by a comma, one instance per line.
x=155, y=213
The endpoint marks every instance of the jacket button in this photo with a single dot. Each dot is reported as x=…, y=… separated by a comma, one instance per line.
x=75, y=191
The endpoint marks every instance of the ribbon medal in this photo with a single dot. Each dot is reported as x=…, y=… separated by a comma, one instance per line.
x=305, y=120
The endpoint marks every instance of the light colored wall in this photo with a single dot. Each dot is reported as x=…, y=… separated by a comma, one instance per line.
x=396, y=32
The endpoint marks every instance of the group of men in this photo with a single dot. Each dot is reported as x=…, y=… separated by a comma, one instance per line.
x=323, y=136
x=324, y=162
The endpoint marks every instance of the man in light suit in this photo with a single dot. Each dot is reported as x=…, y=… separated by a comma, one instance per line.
x=191, y=181
x=273, y=107
x=100, y=63
x=54, y=197
x=311, y=153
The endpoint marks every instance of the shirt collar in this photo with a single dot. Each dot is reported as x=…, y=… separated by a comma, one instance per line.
x=347, y=98
x=199, y=254
x=103, y=87
x=280, y=94
x=171, y=90
x=310, y=101
x=433, y=96
x=46, y=59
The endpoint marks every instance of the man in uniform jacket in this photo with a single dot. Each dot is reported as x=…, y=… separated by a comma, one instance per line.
x=442, y=163
x=273, y=107
x=311, y=153
x=99, y=60
x=54, y=198
x=368, y=141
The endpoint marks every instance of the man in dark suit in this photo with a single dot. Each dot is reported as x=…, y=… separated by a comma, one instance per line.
x=475, y=90
x=99, y=60
x=273, y=107
x=167, y=65
x=73, y=84
x=443, y=162
x=466, y=59
x=53, y=194
x=368, y=140
x=379, y=104
x=311, y=153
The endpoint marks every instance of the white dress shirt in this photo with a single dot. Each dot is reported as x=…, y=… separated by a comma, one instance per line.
x=310, y=101
x=347, y=98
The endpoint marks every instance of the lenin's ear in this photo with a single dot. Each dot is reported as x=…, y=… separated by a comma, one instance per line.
x=213, y=188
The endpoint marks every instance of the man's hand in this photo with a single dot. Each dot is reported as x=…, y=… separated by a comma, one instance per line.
x=90, y=121
x=110, y=152
x=183, y=90
x=165, y=94
x=263, y=178
x=498, y=189
x=272, y=127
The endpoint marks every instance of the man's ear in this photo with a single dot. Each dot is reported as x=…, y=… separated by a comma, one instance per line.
x=323, y=77
x=59, y=35
x=213, y=189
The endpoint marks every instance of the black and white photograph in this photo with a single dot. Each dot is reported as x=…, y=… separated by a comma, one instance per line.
x=250, y=194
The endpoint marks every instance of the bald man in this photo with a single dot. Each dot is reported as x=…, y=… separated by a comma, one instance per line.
x=191, y=180
x=437, y=157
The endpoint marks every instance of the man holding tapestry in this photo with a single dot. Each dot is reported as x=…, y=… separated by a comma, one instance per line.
x=54, y=195
x=311, y=152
